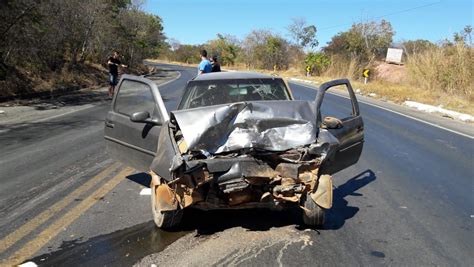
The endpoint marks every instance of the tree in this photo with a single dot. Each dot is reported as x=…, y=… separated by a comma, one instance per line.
x=173, y=44
x=318, y=62
x=416, y=46
x=464, y=36
x=253, y=48
x=264, y=49
x=41, y=37
x=365, y=41
x=302, y=34
x=224, y=47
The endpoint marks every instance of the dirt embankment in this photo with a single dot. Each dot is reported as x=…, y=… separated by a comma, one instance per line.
x=20, y=83
x=390, y=72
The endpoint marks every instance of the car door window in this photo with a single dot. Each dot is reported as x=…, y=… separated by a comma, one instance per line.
x=216, y=92
x=337, y=104
x=134, y=96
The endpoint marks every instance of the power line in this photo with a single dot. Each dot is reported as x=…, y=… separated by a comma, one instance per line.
x=383, y=16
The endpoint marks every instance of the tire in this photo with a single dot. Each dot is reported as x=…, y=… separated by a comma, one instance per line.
x=313, y=215
x=165, y=219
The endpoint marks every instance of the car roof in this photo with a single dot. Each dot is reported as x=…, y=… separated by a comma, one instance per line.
x=233, y=75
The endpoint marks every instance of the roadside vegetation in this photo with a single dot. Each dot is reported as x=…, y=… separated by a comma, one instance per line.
x=58, y=45
x=433, y=73
x=64, y=44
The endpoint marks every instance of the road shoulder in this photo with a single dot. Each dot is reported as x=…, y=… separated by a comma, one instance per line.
x=18, y=113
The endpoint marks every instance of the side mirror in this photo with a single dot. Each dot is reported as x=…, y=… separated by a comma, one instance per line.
x=331, y=123
x=144, y=116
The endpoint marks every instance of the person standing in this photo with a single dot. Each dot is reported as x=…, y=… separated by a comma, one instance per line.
x=205, y=66
x=113, y=63
x=216, y=67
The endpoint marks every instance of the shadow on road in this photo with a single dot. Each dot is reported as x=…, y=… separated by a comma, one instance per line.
x=121, y=248
x=30, y=132
x=210, y=222
x=341, y=211
x=141, y=178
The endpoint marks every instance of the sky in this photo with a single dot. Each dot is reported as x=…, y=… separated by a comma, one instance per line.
x=197, y=21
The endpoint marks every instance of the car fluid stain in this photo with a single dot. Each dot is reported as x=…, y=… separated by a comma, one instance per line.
x=121, y=248
x=377, y=254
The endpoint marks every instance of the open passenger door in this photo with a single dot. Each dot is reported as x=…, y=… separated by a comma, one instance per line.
x=348, y=129
x=133, y=124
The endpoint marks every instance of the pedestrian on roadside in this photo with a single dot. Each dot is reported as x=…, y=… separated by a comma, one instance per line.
x=113, y=63
x=205, y=66
x=216, y=67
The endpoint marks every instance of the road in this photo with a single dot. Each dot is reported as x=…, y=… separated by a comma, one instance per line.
x=409, y=200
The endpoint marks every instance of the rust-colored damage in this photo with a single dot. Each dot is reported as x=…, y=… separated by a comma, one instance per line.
x=286, y=183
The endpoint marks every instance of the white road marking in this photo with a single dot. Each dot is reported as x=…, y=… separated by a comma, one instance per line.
x=52, y=117
x=63, y=114
x=145, y=192
x=28, y=264
x=170, y=81
x=401, y=114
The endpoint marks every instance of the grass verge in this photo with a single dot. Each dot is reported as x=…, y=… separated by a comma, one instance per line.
x=383, y=90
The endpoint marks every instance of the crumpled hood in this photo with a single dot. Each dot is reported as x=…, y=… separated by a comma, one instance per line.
x=269, y=125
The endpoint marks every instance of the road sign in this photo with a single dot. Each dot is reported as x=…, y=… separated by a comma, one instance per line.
x=394, y=55
x=366, y=73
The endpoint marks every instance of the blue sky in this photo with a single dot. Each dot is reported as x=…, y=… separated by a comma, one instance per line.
x=197, y=21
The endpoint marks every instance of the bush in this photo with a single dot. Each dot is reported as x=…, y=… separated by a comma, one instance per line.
x=342, y=67
x=318, y=62
x=446, y=68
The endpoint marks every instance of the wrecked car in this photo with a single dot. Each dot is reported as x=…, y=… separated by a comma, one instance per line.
x=237, y=140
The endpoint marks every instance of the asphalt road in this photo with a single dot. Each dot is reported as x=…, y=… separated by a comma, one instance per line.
x=409, y=200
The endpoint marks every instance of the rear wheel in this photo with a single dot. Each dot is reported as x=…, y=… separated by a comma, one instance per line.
x=313, y=215
x=164, y=219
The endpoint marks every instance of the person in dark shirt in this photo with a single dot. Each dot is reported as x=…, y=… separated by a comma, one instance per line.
x=113, y=63
x=216, y=67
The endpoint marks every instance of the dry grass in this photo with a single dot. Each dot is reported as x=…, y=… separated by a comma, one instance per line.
x=341, y=67
x=445, y=69
x=396, y=92
x=25, y=83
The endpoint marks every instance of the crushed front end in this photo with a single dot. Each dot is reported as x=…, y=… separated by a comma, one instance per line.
x=245, y=155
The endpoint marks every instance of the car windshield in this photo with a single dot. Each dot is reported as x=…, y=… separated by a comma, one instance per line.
x=216, y=92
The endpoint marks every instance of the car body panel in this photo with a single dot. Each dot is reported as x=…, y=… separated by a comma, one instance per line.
x=268, y=125
x=238, y=154
x=350, y=135
x=134, y=143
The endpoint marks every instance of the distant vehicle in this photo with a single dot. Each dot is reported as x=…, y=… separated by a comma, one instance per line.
x=238, y=140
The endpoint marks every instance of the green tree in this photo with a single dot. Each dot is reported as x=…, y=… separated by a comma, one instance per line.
x=318, y=62
x=303, y=34
x=264, y=49
x=224, y=47
x=365, y=41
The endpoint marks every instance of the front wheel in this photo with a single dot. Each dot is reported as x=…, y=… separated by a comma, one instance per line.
x=313, y=215
x=164, y=219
